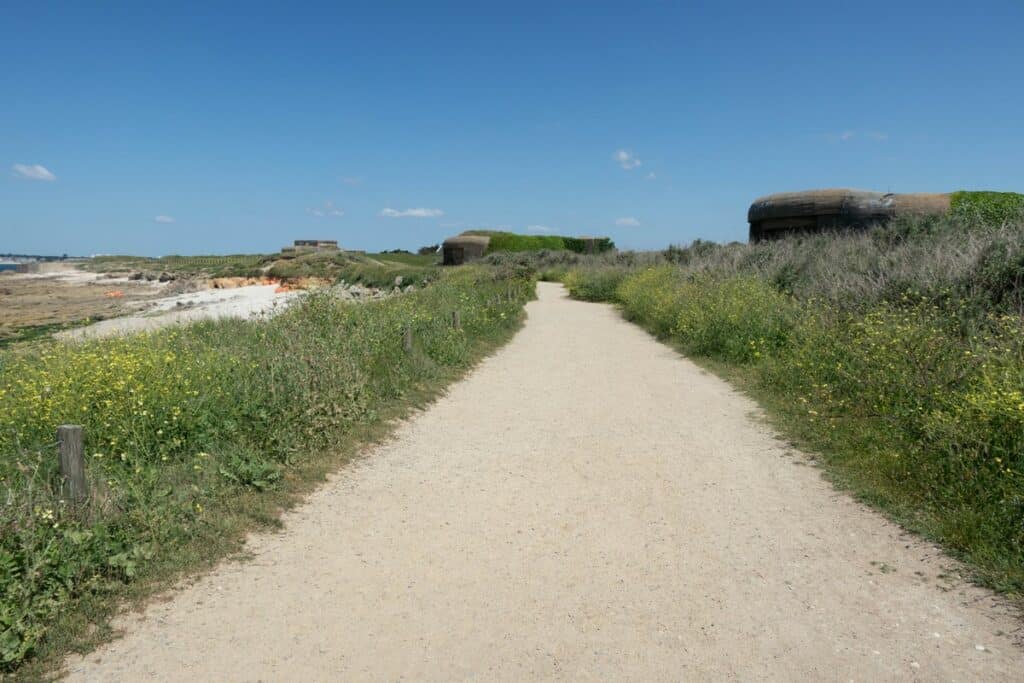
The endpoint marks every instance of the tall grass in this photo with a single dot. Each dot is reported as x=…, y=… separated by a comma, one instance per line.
x=896, y=354
x=185, y=428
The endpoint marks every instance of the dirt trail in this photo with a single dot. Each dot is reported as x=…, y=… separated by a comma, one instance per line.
x=586, y=505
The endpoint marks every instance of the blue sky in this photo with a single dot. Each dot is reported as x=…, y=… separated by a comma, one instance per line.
x=209, y=128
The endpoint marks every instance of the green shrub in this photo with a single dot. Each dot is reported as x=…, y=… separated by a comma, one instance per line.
x=580, y=245
x=991, y=208
x=511, y=242
x=736, y=319
x=594, y=284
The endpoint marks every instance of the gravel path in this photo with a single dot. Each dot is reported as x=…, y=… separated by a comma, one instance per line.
x=586, y=505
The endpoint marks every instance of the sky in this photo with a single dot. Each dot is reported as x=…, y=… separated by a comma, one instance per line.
x=192, y=128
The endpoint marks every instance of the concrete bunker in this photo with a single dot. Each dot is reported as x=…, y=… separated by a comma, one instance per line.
x=787, y=213
x=462, y=248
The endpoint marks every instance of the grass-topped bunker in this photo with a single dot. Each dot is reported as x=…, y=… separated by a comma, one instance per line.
x=787, y=213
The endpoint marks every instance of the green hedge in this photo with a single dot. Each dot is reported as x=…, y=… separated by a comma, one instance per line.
x=994, y=208
x=509, y=241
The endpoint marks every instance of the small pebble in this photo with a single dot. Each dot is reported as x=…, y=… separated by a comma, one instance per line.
x=979, y=648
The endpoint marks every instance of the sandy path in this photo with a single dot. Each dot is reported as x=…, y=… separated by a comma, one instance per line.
x=586, y=505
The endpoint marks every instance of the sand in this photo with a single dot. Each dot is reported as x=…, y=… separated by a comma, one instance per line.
x=585, y=505
x=241, y=302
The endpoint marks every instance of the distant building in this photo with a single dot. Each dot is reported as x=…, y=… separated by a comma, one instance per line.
x=306, y=246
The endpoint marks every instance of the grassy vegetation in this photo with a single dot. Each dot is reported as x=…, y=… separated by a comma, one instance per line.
x=36, y=332
x=370, y=270
x=897, y=355
x=376, y=270
x=988, y=207
x=420, y=260
x=196, y=434
x=236, y=265
x=511, y=242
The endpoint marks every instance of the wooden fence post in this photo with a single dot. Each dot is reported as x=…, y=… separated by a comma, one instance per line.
x=70, y=439
x=407, y=339
x=456, y=322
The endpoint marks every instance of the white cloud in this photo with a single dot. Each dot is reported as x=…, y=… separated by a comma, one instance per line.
x=627, y=222
x=328, y=209
x=163, y=219
x=651, y=176
x=411, y=213
x=352, y=180
x=33, y=172
x=539, y=229
x=626, y=159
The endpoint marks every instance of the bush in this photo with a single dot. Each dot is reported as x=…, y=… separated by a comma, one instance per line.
x=594, y=284
x=991, y=208
x=511, y=242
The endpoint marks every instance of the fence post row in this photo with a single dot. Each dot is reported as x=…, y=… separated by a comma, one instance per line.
x=71, y=443
x=456, y=322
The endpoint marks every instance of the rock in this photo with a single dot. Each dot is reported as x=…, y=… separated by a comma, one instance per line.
x=166, y=277
x=409, y=288
x=398, y=281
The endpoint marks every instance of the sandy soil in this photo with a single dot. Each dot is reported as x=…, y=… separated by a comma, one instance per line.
x=240, y=302
x=64, y=294
x=586, y=505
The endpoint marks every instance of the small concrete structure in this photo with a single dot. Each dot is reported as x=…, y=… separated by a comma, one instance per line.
x=318, y=244
x=307, y=246
x=461, y=248
x=787, y=213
